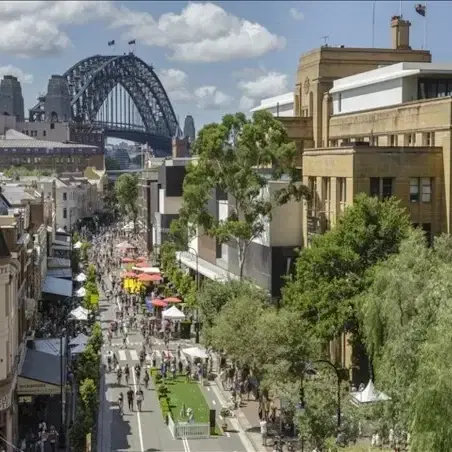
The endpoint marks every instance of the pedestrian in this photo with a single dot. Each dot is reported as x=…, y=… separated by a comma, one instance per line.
x=52, y=438
x=130, y=396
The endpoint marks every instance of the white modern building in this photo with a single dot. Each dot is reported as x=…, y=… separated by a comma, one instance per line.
x=391, y=85
x=282, y=105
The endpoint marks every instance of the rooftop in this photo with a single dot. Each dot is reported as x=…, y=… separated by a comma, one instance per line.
x=273, y=102
x=14, y=139
x=15, y=194
x=394, y=71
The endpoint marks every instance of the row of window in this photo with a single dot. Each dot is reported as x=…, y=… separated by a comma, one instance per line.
x=381, y=187
x=62, y=160
x=409, y=139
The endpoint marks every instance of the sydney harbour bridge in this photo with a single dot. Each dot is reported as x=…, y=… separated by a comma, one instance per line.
x=121, y=95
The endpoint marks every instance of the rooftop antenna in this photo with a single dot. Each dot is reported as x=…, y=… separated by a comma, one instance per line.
x=325, y=40
x=373, y=23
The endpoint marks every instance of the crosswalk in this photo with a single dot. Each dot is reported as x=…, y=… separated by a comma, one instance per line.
x=132, y=355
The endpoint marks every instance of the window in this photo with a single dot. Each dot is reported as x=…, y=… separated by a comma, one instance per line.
x=52, y=126
x=375, y=186
x=414, y=189
x=392, y=140
x=312, y=185
x=342, y=189
x=326, y=192
x=373, y=140
x=339, y=103
x=64, y=196
x=428, y=139
x=64, y=213
x=44, y=133
x=381, y=187
x=218, y=249
x=426, y=189
x=333, y=143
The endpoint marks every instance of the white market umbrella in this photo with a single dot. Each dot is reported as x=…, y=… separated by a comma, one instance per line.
x=173, y=314
x=81, y=277
x=77, y=245
x=80, y=292
x=80, y=313
x=125, y=246
x=195, y=352
x=80, y=338
x=147, y=269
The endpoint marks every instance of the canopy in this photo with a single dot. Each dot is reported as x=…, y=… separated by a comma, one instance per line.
x=80, y=348
x=80, y=292
x=77, y=245
x=369, y=394
x=125, y=246
x=81, y=277
x=195, y=352
x=79, y=339
x=173, y=314
x=159, y=303
x=79, y=313
x=146, y=277
x=172, y=300
x=143, y=265
x=57, y=286
x=127, y=260
x=147, y=269
x=129, y=275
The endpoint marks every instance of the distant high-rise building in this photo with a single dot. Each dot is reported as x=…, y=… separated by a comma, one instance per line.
x=189, y=128
x=11, y=99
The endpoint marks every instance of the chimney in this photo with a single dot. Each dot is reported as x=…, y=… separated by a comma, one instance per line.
x=180, y=147
x=400, y=30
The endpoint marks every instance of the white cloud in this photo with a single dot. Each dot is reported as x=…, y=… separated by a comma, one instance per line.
x=246, y=103
x=271, y=84
x=296, y=14
x=202, y=32
x=211, y=98
x=12, y=70
x=175, y=83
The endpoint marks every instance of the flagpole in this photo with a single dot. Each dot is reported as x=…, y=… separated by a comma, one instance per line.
x=373, y=23
x=424, y=46
x=400, y=12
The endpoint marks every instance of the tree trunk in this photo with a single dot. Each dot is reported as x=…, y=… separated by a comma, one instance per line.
x=242, y=247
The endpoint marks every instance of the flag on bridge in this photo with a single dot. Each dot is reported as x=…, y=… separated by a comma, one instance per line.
x=111, y=43
x=133, y=41
x=421, y=9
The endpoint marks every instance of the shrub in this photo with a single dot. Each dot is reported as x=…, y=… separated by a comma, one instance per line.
x=162, y=391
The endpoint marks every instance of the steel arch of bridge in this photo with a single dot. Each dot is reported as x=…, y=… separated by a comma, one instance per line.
x=91, y=80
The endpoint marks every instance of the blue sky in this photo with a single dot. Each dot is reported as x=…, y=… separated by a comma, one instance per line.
x=203, y=52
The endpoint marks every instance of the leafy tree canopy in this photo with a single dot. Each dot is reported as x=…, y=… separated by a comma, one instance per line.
x=112, y=164
x=239, y=157
x=126, y=189
x=333, y=270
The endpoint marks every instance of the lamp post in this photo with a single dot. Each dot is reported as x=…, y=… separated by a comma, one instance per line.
x=193, y=251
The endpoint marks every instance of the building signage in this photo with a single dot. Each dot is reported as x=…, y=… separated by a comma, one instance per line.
x=26, y=386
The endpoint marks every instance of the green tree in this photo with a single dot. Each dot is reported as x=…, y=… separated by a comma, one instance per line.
x=333, y=271
x=88, y=394
x=91, y=274
x=88, y=365
x=234, y=330
x=126, y=189
x=96, y=337
x=112, y=164
x=78, y=431
x=239, y=157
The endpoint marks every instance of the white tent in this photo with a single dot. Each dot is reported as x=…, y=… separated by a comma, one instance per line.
x=129, y=226
x=80, y=313
x=77, y=245
x=173, y=314
x=147, y=269
x=369, y=394
x=81, y=277
x=80, y=292
x=195, y=352
x=79, y=339
x=125, y=246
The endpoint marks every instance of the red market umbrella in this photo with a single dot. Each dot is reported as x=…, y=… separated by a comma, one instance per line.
x=143, y=264
x=172, y=300
x=146, y=277
x=159, y=303
x=129, y=275
x=127, y=260
x=141, y=259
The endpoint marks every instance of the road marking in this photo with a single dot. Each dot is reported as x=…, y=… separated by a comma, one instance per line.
x=122, y=355
x=140, y=433
x=134, y=355
x=186, y=446
x=213, y=401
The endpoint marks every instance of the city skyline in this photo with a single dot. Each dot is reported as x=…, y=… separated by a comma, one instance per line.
x=207, y=70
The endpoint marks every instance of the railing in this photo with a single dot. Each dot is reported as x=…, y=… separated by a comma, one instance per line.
x=187, y=430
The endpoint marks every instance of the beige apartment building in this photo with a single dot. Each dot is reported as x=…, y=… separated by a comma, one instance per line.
x=377, y=121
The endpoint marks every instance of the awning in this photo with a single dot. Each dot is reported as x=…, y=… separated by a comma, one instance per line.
x=60, y=273
x=40, y=374
x=57, y=286
x=80, y=292
x=81, y=277
x=79, y=339
x=80, y=313
x=51, y=346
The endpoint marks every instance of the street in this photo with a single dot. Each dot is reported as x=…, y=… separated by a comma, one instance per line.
x=146, y=431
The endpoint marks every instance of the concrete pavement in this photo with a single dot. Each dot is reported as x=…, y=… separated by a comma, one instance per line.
x=146, y=431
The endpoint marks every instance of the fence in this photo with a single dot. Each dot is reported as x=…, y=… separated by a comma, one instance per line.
x=186, y=430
